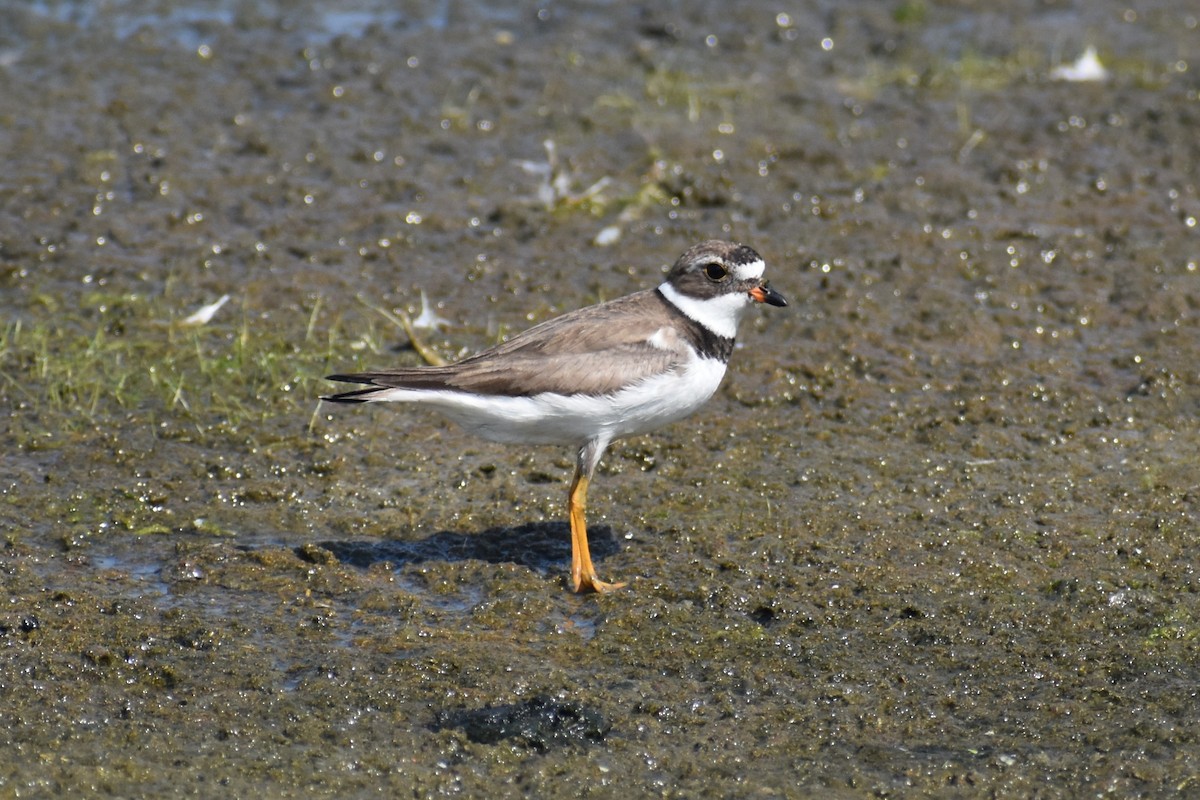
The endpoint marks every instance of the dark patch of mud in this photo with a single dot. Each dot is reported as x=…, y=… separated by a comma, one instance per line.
x=539, y=723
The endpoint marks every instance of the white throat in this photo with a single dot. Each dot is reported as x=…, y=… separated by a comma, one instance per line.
x=720, y=314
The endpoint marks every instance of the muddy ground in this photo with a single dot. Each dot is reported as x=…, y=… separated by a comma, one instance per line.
x=936, y=535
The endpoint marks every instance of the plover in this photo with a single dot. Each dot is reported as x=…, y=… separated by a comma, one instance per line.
x=616, y=369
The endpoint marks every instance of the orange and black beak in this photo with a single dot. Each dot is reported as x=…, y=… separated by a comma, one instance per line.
x=763, y=293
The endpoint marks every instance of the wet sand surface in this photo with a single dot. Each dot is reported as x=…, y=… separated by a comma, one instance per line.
x=935, y=536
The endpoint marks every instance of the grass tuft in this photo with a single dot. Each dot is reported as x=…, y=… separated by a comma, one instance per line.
x=129, y=361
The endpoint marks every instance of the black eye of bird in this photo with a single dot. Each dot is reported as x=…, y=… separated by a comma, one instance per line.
x=715, y=272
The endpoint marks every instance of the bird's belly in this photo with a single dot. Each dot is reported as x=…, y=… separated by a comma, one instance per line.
x=577, y=418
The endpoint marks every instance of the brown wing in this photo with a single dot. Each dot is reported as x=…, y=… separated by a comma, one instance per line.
x=595, y=350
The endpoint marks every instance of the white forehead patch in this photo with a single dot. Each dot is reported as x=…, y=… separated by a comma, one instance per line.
x=754, y=269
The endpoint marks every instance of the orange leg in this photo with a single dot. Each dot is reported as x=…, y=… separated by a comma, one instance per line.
x=583, y=574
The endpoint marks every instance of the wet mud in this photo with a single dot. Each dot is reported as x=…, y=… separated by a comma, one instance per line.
x=935, y=536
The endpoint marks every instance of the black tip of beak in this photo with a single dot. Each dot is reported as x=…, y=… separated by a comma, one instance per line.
x=765, y=294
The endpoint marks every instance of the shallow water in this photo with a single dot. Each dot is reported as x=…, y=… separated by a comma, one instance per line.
x=935, y=535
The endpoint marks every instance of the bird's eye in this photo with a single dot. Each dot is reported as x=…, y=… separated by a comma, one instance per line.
x=715, y=272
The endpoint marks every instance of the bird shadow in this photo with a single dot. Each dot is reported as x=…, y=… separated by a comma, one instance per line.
x=538, y=545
